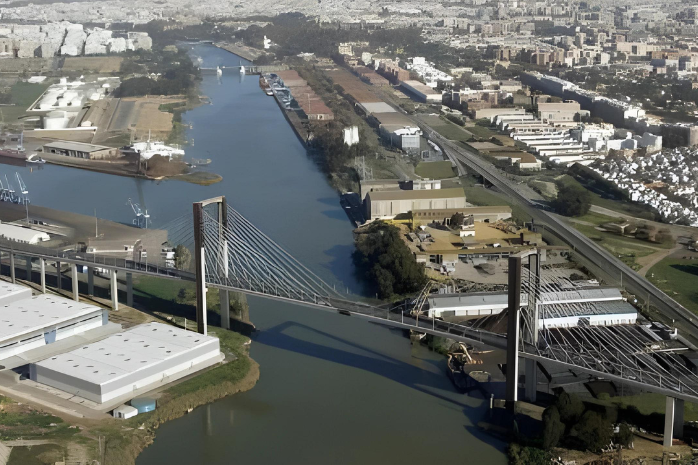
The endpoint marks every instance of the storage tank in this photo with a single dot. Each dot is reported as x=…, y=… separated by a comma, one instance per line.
x=144, y=404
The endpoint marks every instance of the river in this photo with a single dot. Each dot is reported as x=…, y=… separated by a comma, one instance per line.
x=333, y=389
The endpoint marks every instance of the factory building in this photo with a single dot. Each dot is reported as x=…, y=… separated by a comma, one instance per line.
x=21, y=234
x=399, y=130
x=561, y=309
x=125, y=364
x=421, y=92
x=30, y=322
x=80, y=150
x=389, y=204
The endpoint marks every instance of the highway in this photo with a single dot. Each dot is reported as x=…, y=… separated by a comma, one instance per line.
x=632, y=282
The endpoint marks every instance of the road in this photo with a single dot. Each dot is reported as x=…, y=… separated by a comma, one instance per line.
x=581, y=244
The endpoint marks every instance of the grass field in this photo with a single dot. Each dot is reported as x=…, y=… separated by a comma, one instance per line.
x=678, y=278
x=481, y=196
x=480, y=131
x=435, y=170
x=627, y=249
x=37, y=455
x=23, y=95
x=629, y=208
x=447, y=129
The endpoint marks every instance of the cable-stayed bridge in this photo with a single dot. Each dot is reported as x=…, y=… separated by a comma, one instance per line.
x=232, y=255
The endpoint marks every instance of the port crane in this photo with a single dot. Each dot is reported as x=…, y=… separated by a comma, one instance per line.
x=142, y=216
x=11, y=196
x=22, y=188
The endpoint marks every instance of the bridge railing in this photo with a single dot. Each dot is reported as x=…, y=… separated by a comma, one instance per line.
x=93, y=259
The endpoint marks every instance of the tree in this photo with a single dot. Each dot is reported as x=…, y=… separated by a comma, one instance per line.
x=624, y=436
x=570, y=408
x=456, y=220
x=182, y=257
x=593, y=431
x=572, y=200
x=387, y=261
x=553, y=428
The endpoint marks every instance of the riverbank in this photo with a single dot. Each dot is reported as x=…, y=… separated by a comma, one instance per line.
x=236, y=376
x=119, y=442
x=243, y=51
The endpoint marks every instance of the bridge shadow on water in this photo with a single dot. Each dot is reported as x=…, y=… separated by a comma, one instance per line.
x=378, y=363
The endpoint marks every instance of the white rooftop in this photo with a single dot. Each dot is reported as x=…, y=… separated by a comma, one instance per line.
x=137, y=349
x=28, y=315
x=12, y=292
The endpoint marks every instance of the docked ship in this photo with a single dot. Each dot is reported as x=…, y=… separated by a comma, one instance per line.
x=17, y=153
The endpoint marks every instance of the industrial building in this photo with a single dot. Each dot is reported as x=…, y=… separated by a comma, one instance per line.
x=597, y=306
x=389, y=204
x=118, y=367
x=12, y=232
x=32, y=322
x=80, y=150
x=490, y=214
x=399, y=130
x=421, y=92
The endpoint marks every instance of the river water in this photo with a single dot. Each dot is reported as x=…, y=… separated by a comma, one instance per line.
x=333, y=389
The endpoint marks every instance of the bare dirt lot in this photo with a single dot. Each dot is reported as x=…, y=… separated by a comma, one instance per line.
x=93, y=64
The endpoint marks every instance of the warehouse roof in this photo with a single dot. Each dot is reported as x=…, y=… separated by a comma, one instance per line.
x=12, y=292
x=475, y=299
x=582, y=309
x=417, y=194
x=393, y=118
x=77, y=146
x=21, y=234
x=581, y=295
x=377, y=107
x=42, y=311
x=119, y=355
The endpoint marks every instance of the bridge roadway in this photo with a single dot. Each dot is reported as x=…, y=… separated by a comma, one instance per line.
x=395, y=318
x=581, y=244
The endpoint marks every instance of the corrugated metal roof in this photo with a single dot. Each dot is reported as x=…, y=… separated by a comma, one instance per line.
x=417, y=194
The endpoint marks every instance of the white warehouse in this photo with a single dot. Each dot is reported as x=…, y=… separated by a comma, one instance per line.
x=28, y=322
x=121, y=365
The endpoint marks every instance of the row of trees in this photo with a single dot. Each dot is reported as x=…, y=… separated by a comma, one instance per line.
x=569, y=422
x=387, y=261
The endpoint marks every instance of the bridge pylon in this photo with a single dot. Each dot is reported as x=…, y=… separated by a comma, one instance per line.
x=218, y=206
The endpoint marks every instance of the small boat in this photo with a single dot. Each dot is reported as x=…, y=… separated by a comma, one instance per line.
x=219, y=71
x=201, y=161
x=35, y=159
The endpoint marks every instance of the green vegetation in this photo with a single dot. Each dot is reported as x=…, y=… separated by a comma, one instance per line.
x=572, y=200
x=42, y=454
x=480, y=131
x=626, y=248
x=477, y=194
x=18, y=421
x=572, y=424
x=387, y=261
x=679, y=279
x=21, y=95
x=182, y=257
x=435, y=170
x=455, y=119
x=177, y=74
x=447, y=129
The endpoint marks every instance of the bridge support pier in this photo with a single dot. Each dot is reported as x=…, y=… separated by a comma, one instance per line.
x=200, y=260
x=90, y=281
x=42, y=266
x=129, y=289
x=12, y=267
x=531, y=374
x=29, y=269
x=114, y=290
x=58, y=276
x=74, y=281
x=673, y=420
x=513, y=332
x=224, y=297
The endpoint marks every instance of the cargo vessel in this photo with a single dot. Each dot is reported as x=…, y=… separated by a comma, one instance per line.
x=18, y=153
